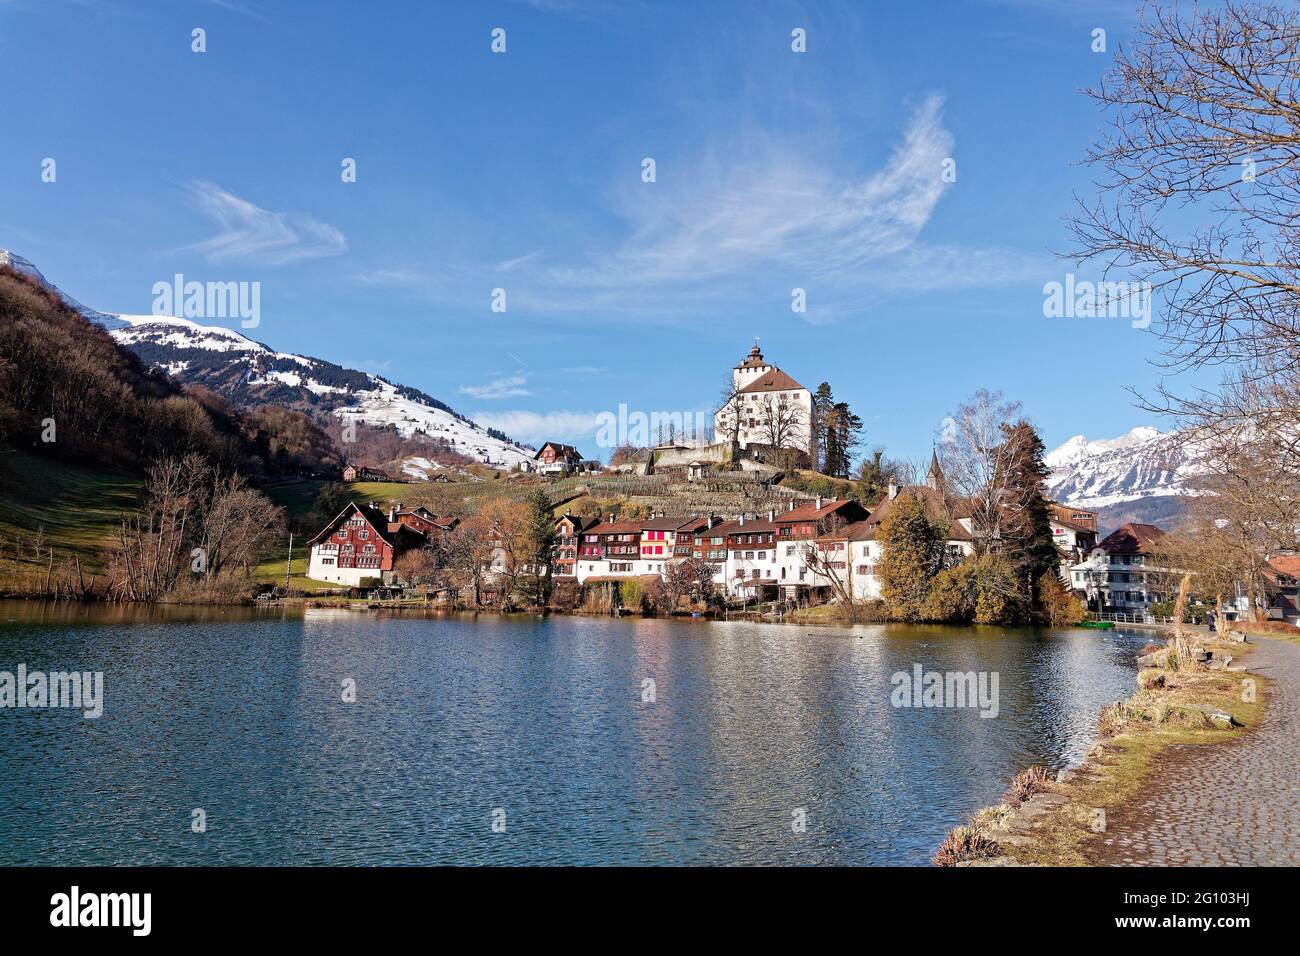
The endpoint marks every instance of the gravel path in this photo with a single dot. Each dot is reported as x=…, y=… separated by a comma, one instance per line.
x=1232, y=804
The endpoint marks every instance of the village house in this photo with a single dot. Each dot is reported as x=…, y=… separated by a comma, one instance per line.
x=852, y=553
x=609, y=548
x=1074, y=532
x=1282, y=588
x=554, y=458
x=565, y=547
x=363, y=473
x=1118, y=575
x=359, y=546
x=797, y=529
x=752, y=564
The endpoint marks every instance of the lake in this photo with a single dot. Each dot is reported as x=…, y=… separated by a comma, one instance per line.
x=521, y=740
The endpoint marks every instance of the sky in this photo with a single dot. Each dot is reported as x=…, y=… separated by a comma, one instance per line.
x=829, y=171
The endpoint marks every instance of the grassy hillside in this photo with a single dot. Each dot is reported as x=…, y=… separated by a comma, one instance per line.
x=78, y=509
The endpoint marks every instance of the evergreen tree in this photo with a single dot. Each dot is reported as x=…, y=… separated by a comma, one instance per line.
x=914, y=544
x=845, y=428
x=823, y=403
x=1027, y=530
x=540, y=536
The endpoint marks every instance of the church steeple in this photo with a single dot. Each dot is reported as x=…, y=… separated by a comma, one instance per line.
x=934, y=477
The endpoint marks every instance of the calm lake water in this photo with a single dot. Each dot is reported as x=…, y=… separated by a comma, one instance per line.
x=240, y=712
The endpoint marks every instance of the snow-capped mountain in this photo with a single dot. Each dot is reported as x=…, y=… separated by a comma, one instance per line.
x=246, y=372
x=1138, y=476
x=19, y=264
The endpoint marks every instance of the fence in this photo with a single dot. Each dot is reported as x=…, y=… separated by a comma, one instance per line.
x=1121, y=618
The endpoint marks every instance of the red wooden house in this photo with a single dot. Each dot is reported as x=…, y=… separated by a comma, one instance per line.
x=361, y=543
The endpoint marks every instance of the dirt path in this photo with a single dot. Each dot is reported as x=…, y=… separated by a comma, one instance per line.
x=1232, y=804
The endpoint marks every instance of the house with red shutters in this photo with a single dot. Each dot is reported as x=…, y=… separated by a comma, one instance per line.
x=797, y=528
x=362, y=543
x=554, y=458
x=566, y=546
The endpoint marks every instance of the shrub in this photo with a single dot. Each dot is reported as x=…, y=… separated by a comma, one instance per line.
x=1026, y=784
x=1151, y=678
x=963, y=844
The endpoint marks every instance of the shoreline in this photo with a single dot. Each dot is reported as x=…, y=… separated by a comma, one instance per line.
x=1062, y=820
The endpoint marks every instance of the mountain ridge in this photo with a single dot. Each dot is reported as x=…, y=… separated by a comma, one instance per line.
x=246, y=373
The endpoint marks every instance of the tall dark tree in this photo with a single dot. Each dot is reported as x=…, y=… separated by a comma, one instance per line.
x=1026, y=527
x=844, y=429
x=539, y=536
x=823, y=403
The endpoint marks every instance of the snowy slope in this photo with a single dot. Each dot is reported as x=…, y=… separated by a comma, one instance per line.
x=247, y=372
x=1145, y=463
x=19, y=264
x=237, y=367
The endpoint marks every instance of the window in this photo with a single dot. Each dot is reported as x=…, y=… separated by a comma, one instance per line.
x=749, y=555
x=789, y=550
x=762, y=555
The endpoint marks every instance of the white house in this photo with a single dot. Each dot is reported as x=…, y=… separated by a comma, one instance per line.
x=853, y=553
x=1118, y=575
x=769, y=404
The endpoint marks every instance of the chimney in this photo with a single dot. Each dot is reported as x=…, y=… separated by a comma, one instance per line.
x=792, y=504
x=771, y=514
x=819, y=502
x=893, y=490
x=611, y=517
x=392, y=512
x=742, y=517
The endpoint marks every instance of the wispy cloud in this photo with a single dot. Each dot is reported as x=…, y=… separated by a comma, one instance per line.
x=511, y=386
x=540, y=426
x=777, y=207
x=250, y=232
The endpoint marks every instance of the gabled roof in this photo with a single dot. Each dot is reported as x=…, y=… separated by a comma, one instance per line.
x=858, y=531
x=1132, y=538
x=935, y=506
x=1287, y=564
x=403, y=537
x=808, y=511
x=580, y=523
x=773, y=381
x=567, y=451
x=760, y=525
x=663, y=523
x=615, y=527
x=1072, y=525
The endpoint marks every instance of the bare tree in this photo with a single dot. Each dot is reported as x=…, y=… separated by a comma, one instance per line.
x=1199, y=179
x=730, y=412
x=981, y=466
x=783, y=425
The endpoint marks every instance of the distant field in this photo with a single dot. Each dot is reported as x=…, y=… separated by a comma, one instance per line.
x=79, y=509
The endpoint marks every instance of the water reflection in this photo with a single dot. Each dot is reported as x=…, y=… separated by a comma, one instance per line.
x=240, y=711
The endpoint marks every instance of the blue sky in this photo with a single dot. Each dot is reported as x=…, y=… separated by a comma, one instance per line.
x=523, y=171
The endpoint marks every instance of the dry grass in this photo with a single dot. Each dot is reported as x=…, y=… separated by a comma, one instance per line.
x=1151, y=678
x=964, y=844
x=1026, y=784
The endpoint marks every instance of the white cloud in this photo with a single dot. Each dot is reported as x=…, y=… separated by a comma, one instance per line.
x=776, y=207
x=540, y=426
x=251, y=232
x=510, y=387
